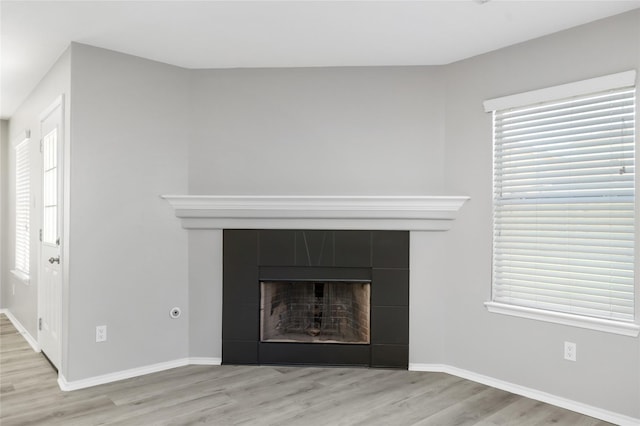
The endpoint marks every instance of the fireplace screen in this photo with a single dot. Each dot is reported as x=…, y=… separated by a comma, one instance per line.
x=315, y=312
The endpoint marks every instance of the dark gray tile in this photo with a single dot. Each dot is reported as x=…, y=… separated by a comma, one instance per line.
x=276, y=248
x=240, y=285
x=353, y=248
x=239, y=352
x=390, y=356
x=391, y=249
x=241, y=323
x=280, y=273
x=390, y=287
x=390, y=324
x=240, y=270
x=313, y=354
x=239, y=246
x=314, y=248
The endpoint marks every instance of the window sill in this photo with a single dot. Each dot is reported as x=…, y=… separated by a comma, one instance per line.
x=21, y=276
x=608, y=326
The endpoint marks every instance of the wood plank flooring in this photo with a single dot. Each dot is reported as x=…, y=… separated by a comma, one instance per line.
x=246, y=395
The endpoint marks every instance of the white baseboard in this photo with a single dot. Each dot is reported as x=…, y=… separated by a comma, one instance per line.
x=548, y=398
x=204, y=361
x=66, y=385
x=23, y=331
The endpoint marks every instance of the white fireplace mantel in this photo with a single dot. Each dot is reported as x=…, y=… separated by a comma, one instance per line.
x=408, y=213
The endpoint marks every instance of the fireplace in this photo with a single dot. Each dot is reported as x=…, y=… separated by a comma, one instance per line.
x=252, y=255
x=315, y=312
x=316, y=297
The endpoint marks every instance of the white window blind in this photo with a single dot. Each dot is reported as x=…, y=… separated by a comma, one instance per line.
x=23, y=198
x=564, y=199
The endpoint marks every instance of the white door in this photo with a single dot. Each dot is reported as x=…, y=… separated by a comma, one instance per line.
x=50, y=282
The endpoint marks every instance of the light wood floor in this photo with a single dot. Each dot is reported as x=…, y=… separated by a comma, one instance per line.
x=245, y=395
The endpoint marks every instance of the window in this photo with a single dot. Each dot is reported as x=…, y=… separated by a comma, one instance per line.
x=564, y=202
x=22, y=206
x=50, y=187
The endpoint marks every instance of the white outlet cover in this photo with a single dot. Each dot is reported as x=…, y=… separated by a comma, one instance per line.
x=570, y=349
x=101, y=333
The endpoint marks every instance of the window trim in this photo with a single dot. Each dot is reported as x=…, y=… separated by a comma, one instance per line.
x=21, y=276
x=598, y=324
x=21, y=140
x=579, y=88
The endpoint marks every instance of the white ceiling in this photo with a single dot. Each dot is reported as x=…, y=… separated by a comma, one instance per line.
x=230, y=34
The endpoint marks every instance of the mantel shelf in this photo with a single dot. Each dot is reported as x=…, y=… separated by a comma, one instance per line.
x=411, y=213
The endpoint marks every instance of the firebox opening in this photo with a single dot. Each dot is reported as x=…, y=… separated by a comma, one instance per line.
x=315, y=312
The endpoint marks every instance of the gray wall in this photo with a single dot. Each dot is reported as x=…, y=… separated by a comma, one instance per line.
x=526, y=352
x=363, y=131
x=205, y=293
x=128, y=254
x=24, y=303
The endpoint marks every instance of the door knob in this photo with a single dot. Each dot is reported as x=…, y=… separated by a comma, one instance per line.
x=53, y=260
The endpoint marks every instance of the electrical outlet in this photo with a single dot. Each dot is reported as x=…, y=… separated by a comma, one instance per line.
x=570, y=351
x=101, y=333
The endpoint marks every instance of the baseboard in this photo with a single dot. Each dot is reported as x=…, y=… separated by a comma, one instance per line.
x=204, y=361
x=23, y=331
x=548, y=398
x=66, y=385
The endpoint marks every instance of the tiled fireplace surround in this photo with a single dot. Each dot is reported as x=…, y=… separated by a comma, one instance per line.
x=254, y=256
x=359, y=237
